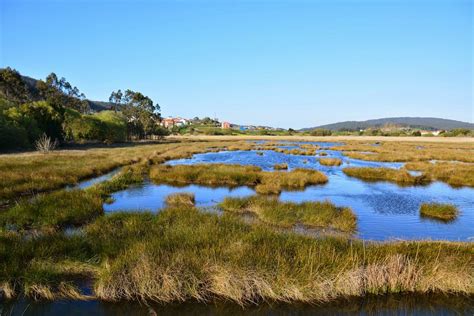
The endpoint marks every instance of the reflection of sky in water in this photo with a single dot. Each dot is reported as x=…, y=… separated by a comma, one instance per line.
x=384, y=210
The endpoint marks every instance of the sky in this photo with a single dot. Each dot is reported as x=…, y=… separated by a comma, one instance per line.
x=278, y=63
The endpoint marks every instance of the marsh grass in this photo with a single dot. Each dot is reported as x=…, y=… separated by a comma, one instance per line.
x=330, y=161
x=55, y=210
x=180, y=199
x=287, y=214
x=399, y=176
x=439, y=211
x=280, y=166
x=30, y=173
x=236, y=175
x=183, y=254
x=455, y=174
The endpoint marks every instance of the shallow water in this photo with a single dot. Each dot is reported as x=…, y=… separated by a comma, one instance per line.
x=385, y=210
x=388, y=305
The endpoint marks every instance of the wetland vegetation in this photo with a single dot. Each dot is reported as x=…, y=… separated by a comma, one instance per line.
x=51, y=242
x=443, y=212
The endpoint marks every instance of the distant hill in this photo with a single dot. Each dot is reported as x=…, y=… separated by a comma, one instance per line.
x=95, y=106
x=428, y=123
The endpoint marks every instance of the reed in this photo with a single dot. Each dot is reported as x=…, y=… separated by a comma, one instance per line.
x=399, y=176
x=280, y=166
x=236, y=175
x=180, y=199
x=330, y=161
x=287, y=214
x=183, y=254
x=439, y=211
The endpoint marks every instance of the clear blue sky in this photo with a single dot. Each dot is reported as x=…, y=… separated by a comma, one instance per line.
x=280, y=63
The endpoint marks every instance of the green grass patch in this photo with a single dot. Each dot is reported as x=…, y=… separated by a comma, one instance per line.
x=399, y=176
x=287, y=214
x=236, y=175
x=55, y=210
x=439, y=211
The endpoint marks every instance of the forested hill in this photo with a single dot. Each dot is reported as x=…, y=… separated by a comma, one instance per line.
x=95, y=106
x=428, y=123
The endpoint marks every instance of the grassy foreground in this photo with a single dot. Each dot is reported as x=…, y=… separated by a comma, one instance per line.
x=183, y=254
x=287, y=214
x=443, y=212
x=236, y=175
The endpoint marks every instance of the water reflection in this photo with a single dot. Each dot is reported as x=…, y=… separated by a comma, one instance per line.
x=382, y=305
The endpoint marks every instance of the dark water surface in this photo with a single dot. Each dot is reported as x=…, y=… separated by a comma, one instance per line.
x=385, y=210
x=390, y=305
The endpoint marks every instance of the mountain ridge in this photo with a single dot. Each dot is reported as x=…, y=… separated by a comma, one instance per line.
x=428, y=123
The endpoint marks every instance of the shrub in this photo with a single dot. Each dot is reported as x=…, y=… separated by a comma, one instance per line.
x=44, y=144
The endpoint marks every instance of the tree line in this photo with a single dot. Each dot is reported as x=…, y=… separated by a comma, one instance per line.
x=55, y=108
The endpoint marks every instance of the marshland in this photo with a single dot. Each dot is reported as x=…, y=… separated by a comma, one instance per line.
x=190, y=221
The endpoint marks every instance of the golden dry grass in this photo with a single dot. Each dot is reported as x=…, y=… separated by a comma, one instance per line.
x=330, y=161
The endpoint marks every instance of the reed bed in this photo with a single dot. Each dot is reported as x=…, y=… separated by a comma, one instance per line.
x=439, y=211
x=287, y=214
x=30, y=173
x=180, y=199
x=399, y=176
x=330, y=161
x=280, y=166
x=236, y=175
x=183, y=254
x=453, y=173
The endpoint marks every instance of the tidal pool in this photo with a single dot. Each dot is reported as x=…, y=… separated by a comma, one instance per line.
x=385, y=210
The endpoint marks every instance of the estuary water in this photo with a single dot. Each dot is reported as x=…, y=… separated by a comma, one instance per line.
x=385, y=211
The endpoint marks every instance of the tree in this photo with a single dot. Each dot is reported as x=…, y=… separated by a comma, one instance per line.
x=12, y=86
x=141, y=112
x=59, y=92
x=116, y=98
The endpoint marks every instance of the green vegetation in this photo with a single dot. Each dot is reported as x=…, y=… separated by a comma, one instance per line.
x=236, y=175
x=443, y=212
x=280, y=166
x=58, y=209
x=55, y=108
x=183, y=254
x=453, y=173
x=330, y=161
x=399, y=176
x=180, y=200
x=287, y=214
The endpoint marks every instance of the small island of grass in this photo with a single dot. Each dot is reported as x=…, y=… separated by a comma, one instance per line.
x=439, y=211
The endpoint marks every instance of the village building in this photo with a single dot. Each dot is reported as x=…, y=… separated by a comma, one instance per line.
x=174, y=121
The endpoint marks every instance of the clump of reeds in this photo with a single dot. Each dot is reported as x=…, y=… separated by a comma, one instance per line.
x=323, y=153
x=280, y=166
x=454, y=173
x=286, y=214
x=330, y=161
x=439, y=211
x=237, y=175
x=58, y=209
x=400, y=176
x=184, y=199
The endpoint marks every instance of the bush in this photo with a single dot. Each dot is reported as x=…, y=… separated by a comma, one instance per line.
x=320, y=132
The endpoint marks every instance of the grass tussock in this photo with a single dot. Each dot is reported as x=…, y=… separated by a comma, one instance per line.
x=453, y=173
x=205, y=257
x=439, y=211
x=236, y=175
x=280, y=166
x=330, y=161
x=180, y=199
x=287, y=214
x=399, y=176
x=183, y=254
x=55, y=210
